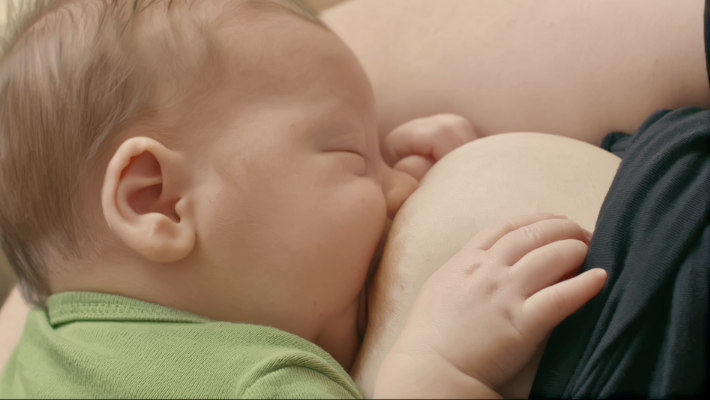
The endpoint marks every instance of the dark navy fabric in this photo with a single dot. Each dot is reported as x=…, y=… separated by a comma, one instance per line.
x=617, y=143
x=706, y=18
x=646, y=333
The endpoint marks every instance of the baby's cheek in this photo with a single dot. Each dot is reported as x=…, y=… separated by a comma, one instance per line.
x=364, y=220
x=373, y=205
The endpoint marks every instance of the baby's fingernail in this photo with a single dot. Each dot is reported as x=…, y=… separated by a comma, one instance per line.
x=587, y=233
x=600, y=272
x=561, y=216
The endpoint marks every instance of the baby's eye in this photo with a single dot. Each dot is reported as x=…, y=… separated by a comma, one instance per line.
x=354, y=161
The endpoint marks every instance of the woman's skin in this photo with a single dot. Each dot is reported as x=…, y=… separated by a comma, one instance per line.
x=574, y=68
x=479, y=184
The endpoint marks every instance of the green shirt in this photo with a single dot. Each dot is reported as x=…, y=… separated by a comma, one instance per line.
x=99, y=345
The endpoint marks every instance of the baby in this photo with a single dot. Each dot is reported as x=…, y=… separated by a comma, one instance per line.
x=194, y=191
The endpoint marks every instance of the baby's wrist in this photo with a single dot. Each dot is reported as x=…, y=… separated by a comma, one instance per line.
x=426, y=376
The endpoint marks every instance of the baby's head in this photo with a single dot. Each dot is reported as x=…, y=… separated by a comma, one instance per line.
x=220, y=157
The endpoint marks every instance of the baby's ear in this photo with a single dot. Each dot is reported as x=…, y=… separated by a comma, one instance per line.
x=146, y=200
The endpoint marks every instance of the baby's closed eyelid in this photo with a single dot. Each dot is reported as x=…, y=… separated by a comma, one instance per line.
x=355, y=160
x=349, y=140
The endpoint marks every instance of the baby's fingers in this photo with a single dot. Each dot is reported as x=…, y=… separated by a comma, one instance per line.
x=513, y=246
x=489, y=236
x=416, y=166
x=550, y=306
x=547, y=265
x=431, y=137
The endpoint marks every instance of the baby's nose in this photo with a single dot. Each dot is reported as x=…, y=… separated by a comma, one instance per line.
x=397, y=187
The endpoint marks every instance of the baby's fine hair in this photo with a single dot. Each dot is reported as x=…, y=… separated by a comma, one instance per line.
x=73, y=75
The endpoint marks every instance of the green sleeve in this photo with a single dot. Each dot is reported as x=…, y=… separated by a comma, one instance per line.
x=299, y=383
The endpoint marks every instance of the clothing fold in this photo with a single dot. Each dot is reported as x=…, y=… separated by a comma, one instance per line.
x=645, y=334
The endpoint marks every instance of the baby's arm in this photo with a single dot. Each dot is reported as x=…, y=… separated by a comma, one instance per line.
x=482, y=315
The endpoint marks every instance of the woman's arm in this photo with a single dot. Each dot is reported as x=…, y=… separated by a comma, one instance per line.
x=481, y=183
x=12, y=320
x=574, y=68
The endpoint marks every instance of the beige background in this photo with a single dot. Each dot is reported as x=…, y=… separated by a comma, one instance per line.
x=4, y=9
x=320, y=4
x=7, y=278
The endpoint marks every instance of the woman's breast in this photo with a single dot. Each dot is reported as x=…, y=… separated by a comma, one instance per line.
x=479, y=184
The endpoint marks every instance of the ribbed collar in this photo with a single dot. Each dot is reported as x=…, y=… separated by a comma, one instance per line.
x=68, y=307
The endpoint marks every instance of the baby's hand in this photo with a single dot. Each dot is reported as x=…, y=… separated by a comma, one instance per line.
x=415, y=146
x=480, y=318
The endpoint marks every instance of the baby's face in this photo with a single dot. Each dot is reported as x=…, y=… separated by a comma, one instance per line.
x=299, y=194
